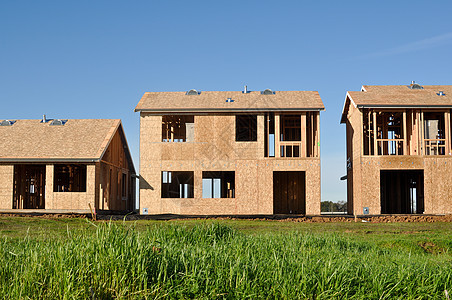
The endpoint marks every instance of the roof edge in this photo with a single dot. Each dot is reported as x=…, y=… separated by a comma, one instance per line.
x=50, y=160
x=231, y=110
x=401, y=106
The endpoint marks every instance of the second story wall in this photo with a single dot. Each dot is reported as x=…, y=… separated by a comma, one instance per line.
x=229, y=137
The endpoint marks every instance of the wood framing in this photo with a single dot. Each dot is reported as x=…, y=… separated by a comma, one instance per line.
x=232, y=175
x=409, y=169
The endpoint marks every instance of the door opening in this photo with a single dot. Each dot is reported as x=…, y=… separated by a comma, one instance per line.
x=402, y=191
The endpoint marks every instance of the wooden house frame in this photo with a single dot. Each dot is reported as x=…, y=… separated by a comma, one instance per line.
x=230, y=153
x=399, y=151
x=78, y=166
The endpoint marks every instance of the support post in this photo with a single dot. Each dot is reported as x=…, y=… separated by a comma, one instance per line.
x=405, y=146
x=374, y=115
x=277, y=135
x=317, y=134
x=448, y=133
x=304, y=142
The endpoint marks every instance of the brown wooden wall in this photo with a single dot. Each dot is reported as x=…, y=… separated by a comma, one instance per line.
x=113, y=165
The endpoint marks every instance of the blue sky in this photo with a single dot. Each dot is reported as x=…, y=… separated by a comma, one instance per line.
x=95, y=59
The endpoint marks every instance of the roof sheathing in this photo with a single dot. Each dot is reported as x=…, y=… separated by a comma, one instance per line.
x=399, y=96
x=163, y=102
x=76, y=141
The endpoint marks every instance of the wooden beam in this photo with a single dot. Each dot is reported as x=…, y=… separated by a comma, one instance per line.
x=317, y=134
x=405, y=146
x=312, y=135
x=304, y=142
x=422, y=134
x=447, y=132
x=277, y=136
x=375, y=132
x=369, y=131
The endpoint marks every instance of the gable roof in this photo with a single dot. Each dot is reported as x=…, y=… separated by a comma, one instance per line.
x=401, y=96
x=161, y=102
x=75, y=141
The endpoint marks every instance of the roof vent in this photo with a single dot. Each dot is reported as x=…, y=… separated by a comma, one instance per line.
x=58, y=122
x=415, y=86
x=7, y=123
x=230, y=100
x=44, y=119
x=192, y=92
x=245, y=90
x=267, y=92
x=441, y=93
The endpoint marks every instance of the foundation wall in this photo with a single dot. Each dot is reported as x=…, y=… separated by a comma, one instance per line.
x=6, y=186
x=215, y=149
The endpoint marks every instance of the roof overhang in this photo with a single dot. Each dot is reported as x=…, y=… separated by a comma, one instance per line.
x=224, y=110
x=402, y=106
x=48, y=160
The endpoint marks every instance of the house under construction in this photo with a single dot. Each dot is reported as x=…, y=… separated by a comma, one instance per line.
x=65, y=166
x=399, y=152
x=243, y=152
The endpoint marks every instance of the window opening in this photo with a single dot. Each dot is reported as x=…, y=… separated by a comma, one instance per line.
x=178, y=129
x=246, y=128
x=177, y=184
x=69, y=178
x=218, y=184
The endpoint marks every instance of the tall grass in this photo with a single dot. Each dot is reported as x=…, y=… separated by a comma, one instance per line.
x=214, y=261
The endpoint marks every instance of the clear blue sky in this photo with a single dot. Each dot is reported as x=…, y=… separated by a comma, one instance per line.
x=95, y=59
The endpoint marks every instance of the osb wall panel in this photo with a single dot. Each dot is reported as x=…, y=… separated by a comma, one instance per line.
x=215, y=149
x=71, y=200
x=437, y=181
x=6, y=186
x=355, y=134
x=438, y=185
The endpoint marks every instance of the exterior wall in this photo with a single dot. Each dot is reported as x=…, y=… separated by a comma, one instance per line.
x=354, y=142
x=6, y=186
x=215, y=149
x=437, y=181
x=113, y=165
x=70, y=200
x=364, y=187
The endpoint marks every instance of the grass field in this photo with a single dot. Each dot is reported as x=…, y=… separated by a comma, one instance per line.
x=78, y=259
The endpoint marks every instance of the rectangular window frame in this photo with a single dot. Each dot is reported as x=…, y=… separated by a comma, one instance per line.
x=246, y=128
x=69, y=178
x=177, y=184
x=218, y=184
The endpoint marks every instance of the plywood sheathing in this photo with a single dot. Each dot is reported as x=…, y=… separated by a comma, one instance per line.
x=30, y=139
x=6, y=186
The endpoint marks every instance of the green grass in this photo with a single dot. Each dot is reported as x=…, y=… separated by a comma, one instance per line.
x=75, y=259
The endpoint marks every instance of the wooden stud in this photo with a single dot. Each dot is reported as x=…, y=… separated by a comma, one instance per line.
x=317, y=134
x=304, y=142
x=277, y=135
x=447, y=132
x=422, y=134
x=375, y=133
x=405, y=146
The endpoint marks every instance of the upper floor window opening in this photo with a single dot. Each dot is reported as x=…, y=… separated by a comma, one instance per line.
x=434, y=133
x=178, y=128
x=246, y=128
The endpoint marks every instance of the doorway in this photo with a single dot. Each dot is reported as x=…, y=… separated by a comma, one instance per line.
x=402, y=191
x=29, y=186
x=289, y=192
